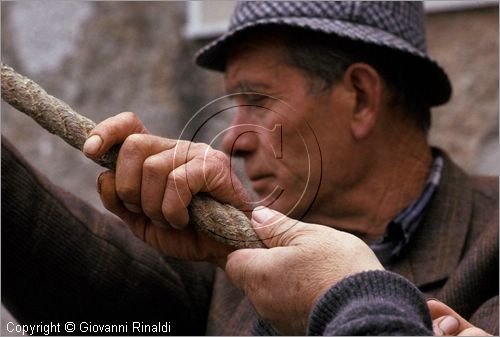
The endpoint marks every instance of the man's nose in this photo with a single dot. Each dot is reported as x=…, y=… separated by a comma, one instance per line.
x=240, y=139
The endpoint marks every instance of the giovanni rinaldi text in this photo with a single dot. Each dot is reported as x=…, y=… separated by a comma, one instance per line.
x=88, y=327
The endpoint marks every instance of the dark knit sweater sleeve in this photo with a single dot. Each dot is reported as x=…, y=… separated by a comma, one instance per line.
x=64, y=261
x=371, y=303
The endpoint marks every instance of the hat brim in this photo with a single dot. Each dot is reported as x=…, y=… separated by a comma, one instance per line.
x=214, y=55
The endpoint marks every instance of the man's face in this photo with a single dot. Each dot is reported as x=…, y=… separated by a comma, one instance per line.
x=296, y=145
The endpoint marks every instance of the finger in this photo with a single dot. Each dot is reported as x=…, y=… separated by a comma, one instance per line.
x=199, y=174
x=111, y=131
x=274, y=228
x=133, y=153
x=474, y=331
x=452, y=326
x=109, y=198
x=183, y=182
x=155, y=172
x=107, y=193
x=215, y=168
x=439, y=311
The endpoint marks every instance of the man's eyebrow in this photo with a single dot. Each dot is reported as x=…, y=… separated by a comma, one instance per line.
x=246, y=86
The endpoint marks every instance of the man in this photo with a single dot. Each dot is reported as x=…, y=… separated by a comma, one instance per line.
x=368, y=103
x=357, y=74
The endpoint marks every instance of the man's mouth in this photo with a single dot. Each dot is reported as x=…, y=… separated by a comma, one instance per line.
x=262, y=182
x=261, y=178
x=267, y=189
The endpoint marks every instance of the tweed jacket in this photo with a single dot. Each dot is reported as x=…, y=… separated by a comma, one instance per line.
x=63, y=261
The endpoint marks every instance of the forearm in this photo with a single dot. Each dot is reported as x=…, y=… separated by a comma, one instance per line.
x=371, y=303
x=62, y=260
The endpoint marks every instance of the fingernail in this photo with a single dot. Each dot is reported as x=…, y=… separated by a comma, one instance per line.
x=262, y=214
x=132, y=208
x=449, y=325
x=92, y=145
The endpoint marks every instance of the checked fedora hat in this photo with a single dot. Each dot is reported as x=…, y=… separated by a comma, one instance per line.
x=397, y=25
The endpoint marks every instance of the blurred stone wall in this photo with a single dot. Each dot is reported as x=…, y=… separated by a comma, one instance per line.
x=106, y=57
x=102, y=58
x=466, y=44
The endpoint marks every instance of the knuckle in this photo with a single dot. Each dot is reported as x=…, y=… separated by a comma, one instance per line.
x=132, y=146
x=199, y=161
x=200, y=147
x=182, y=151
x=218, y=167
x=152, y=168
x=127, y=192
x=129, y=115
x=149, y=166
x=184, y=144
x=134, y=140
x=198, y=168
x=221, y=158
x=134, y=121
x=177, y=179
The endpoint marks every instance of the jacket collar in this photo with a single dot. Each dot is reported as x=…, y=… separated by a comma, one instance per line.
x=435, y=250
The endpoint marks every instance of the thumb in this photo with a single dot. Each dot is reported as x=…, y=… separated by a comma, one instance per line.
x=446, y=320
x=273, y=228
x=445, y=326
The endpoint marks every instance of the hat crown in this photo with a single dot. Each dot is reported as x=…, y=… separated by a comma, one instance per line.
x=404, y=19
x=397, y=26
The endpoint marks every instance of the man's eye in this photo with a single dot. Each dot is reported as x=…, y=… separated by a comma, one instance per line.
x=255, y=98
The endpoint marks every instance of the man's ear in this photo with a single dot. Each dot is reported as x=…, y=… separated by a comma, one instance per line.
x=366, y=84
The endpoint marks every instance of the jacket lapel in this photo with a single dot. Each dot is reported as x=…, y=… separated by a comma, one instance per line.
x=436, y=248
